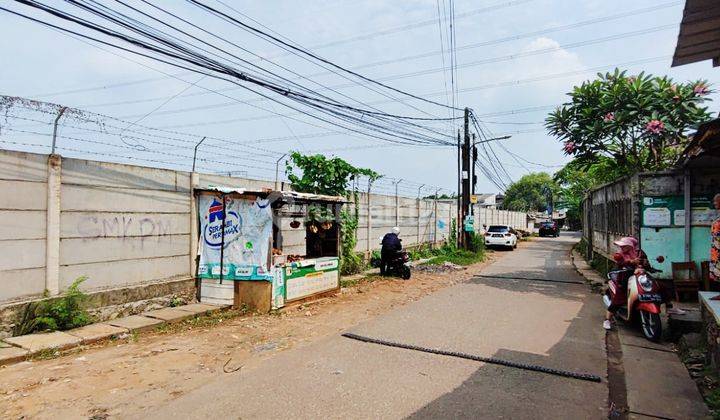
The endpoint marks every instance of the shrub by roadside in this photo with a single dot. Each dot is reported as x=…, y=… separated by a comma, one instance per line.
x=59, y=314
x=450, y=253
x=459, y=257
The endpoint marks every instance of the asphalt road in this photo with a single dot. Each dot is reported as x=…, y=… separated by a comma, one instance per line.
x=550, y=321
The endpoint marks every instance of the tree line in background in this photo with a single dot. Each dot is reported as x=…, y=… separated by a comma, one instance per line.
x=613, y=126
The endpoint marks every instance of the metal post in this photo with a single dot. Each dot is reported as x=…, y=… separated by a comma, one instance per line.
x=688, y=211
x=222, y=239
x=54, y=138
x=195, y=152
x=435, y=217
x=397, y=203
x=369, y=218
x=419, y=214
x=277, y=171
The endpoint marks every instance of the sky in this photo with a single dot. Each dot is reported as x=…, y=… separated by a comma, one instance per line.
x=516, y=61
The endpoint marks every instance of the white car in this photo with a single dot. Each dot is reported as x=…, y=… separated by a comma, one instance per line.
x=501, y=235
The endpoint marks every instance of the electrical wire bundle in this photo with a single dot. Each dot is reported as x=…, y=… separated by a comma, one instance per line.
x=136, y=31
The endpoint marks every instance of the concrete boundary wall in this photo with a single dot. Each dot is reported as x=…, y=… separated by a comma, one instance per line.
x=125, y=226
x=23, y=230
x=488, y=216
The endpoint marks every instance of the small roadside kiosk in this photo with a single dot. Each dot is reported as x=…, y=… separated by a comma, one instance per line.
x=263, y=249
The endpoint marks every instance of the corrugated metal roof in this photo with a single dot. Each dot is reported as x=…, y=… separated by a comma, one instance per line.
x=286, y=195
x=706, y=141
x=699, y=37
x=312, y=197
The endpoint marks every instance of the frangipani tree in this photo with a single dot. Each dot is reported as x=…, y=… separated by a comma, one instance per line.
x=640, y=121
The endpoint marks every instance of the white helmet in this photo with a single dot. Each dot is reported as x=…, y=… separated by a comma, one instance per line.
x=396, y=230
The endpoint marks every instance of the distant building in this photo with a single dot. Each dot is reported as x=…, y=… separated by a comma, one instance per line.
x=499, y=198
x=487, y=201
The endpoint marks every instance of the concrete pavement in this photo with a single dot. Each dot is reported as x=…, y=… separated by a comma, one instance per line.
x=530, y=321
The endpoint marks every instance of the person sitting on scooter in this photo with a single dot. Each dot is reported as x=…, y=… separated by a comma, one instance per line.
x=391, y=244
x=630, y=257
x=633, y=258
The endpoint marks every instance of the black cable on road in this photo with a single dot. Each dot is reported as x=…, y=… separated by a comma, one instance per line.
x=485, y=276
x=491, y=360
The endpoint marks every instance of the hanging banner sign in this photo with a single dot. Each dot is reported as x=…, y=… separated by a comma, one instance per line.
x=247, y=227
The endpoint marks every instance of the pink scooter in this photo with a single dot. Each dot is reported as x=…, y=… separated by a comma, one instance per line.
x=640, y=298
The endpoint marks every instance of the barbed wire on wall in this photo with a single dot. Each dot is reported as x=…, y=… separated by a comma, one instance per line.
x=30, y=125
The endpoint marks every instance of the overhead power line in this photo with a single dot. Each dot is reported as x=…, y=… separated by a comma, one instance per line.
x=175, y=52
x=559, y=28
x=443, y=69
x=507, y=83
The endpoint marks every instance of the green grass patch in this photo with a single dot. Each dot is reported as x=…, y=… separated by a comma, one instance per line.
x=450, y=253
x=459, y=257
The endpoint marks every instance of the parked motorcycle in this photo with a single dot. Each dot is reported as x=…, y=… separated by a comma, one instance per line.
x=398, y=265
x=639, y=300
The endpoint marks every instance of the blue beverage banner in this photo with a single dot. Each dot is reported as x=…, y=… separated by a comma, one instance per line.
x=247, y=227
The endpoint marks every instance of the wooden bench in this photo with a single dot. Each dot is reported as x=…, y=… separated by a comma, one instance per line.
x=685, y=279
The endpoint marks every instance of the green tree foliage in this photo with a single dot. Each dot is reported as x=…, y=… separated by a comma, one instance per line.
x=334, y=176
x=639, y=121
x=577, y=178
x=531, y=192
x=321, y=175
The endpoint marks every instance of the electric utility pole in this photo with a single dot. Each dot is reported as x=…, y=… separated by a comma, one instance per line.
x=467, y=178
x=465, y=242
x=458, y=199
x=473, y=168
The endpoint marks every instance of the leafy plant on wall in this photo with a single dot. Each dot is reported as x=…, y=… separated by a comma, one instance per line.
x=322, y=175
x=332, y=176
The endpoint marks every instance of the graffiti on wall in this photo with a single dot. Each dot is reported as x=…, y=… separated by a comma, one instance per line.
x=123, y=226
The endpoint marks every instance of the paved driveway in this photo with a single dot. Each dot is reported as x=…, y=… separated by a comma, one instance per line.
x=550, y=321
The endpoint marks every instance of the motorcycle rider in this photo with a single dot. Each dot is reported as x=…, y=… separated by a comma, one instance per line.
x=391, y=244
x=629, y=257
x=632, y=257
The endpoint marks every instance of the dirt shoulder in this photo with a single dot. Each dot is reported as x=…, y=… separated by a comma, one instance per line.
x=125, y=375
